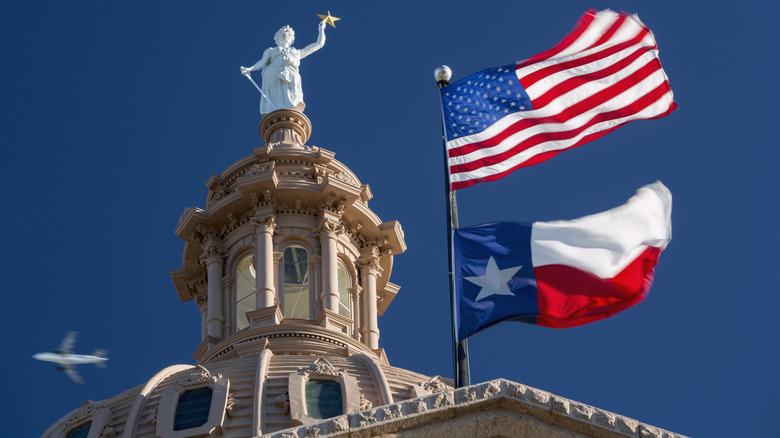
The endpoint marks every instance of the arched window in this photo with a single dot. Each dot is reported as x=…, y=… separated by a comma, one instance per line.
x=323, y=399
x=80, y=431
x=192, y=409
x=295, y=296
x=245, y=290
x=345, y=300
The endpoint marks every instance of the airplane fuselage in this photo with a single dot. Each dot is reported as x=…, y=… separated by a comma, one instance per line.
x=69, y=359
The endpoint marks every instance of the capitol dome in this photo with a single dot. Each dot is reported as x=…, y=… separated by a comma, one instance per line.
x=290, y=269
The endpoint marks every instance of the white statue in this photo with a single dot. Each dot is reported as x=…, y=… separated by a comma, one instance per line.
x=281, y=87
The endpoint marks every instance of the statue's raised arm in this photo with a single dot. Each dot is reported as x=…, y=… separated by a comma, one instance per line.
x=281, y=86
x=317, y=45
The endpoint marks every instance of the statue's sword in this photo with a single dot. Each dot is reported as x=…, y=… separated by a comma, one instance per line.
x=248, y=76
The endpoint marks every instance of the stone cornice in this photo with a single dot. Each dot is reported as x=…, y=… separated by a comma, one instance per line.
x=283, y=338
x=504, y=398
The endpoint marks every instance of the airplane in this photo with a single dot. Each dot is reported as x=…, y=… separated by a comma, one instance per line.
x=66, y=360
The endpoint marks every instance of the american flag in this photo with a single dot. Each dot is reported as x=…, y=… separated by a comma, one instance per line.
x=602, y=75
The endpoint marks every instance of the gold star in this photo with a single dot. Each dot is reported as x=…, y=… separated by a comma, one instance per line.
x=329, y=19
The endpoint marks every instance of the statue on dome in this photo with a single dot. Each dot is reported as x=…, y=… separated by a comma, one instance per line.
x=281, y=86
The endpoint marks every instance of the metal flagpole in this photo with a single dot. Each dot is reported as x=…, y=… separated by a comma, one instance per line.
x=460, y=350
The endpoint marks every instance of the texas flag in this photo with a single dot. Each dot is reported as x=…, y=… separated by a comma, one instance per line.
x=562, y=273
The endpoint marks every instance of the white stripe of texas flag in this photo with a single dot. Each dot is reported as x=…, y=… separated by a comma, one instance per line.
x=606, y=243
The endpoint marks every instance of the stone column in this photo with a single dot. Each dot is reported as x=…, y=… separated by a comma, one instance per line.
x=330, y=282
x=357, y=311
x=212, y=259
x=264, y=268
x=369, y=271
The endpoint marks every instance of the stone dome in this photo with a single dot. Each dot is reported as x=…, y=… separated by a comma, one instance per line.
x=290, y=269
x=258, y=378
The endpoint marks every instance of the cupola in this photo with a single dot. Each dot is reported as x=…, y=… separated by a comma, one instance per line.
x=287, y=237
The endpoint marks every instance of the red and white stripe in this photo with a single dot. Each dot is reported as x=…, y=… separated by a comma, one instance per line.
x=590, y=268
x=604, y=74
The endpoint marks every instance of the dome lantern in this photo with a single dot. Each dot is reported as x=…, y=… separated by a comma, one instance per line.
x=287, y=237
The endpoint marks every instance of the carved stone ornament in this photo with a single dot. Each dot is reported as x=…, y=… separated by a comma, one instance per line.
x=107, y=432
x=152, y=418
x=232, y=405
x=343, y=176
x=257, y=169
x=200, y=299
x=434, y=385
x=341, y=206
x=220, y=193
x=321, y=367
x=283, y=401
x=355, y=228
x=370, y=265
x=202, y=375
x=328, y=202
x=264, y=225
x=328, y=227
x=88, y=409
x=212, y=253
x=365, y=404
x=206, y=231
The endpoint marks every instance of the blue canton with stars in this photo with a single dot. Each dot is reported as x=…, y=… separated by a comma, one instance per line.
x=508, y=245
x=475, y=102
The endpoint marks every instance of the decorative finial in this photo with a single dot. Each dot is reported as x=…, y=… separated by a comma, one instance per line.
x=442, y=73
x=330, y=19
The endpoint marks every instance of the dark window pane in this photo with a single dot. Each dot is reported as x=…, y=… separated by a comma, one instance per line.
x=80, y=432
x=344, y=297
x=245, y=291
x=323, y=399
x=295, y=291
x=192, y=410
x=296, y=265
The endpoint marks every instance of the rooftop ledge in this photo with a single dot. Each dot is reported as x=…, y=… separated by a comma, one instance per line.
x=495, y=408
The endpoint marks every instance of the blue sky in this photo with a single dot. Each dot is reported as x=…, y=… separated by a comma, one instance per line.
x=114, y=115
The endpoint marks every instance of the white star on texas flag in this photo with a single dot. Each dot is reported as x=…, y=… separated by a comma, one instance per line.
x=495, y=281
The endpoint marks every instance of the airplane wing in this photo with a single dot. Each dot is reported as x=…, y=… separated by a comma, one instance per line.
x=66, y=347
x=73, y=374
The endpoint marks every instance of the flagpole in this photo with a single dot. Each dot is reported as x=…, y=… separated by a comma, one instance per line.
x=460, y=350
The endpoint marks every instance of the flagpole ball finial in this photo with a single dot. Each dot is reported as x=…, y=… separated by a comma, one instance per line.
x=442, y=73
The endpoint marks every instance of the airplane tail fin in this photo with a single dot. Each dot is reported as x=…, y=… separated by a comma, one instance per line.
x=101, y=354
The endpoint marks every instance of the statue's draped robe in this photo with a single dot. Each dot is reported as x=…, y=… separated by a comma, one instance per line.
x=281, y=80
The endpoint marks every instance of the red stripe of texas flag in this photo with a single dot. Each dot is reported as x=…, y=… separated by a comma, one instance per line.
x=570, y=297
